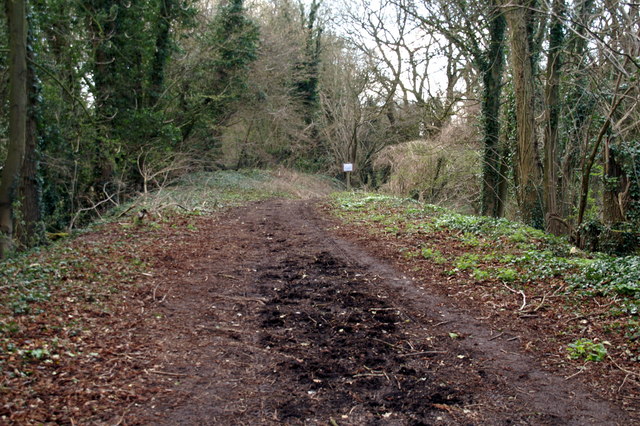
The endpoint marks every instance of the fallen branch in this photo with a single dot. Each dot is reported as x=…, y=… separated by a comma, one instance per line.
x=131, y=207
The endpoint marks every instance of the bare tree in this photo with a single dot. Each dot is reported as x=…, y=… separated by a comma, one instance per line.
x=348, y=111
x=403, y=55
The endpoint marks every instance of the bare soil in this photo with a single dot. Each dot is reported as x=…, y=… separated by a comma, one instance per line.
x=274, y=314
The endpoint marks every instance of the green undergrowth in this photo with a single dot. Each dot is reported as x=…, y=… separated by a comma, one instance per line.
x=499, y=252
x=205, y=192
x=497, y=248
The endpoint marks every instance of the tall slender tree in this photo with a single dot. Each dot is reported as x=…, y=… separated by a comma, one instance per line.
x=30, y=232
x=528, y=169
x=552, y=118
x=17, y=25
x=491, y=65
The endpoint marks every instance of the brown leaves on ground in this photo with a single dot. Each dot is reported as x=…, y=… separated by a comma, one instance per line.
x=82, y=355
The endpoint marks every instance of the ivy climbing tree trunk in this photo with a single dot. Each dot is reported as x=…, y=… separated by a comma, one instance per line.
x=17, y=24
x=492, y=68
x=529, y=191
x=30, y=232
x=162, y=53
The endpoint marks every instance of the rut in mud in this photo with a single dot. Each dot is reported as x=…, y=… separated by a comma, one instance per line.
x=349, y=352
x=270, y=319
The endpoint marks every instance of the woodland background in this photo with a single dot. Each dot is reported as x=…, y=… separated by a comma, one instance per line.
x=519, y=108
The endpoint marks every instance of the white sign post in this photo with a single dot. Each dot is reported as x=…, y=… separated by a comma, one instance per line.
x=348, y=168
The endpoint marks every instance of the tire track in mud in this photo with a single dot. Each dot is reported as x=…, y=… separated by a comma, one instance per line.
x=346, y=347
x=302, y=327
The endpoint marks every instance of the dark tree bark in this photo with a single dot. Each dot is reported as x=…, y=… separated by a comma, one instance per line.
x=103, y=31
x=458, y=22
x=162, y=53
x=615, y=186
x=580, y=108
x=492, y=68
x=17, y=24
x=30, y=193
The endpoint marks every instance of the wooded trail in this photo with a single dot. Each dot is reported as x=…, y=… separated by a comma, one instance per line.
x=270, y=317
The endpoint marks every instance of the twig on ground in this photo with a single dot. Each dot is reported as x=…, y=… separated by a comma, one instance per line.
x=124, y=413
x=241, y=298
x=524, y=296
x=166, y=373
x=580, y=370
x=231, y=277
x=594, y=314
x=537, y=308
x=154, y=292
x=623, y=382
x=633, y=373
x=496, y=336
x=386, y=343
x=423, y=353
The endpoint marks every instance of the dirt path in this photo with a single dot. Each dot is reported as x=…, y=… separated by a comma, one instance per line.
x=270, y=318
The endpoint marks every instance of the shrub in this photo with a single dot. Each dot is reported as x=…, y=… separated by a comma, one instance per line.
x=441, y=170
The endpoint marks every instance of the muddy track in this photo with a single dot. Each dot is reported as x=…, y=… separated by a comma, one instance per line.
x=270, y=318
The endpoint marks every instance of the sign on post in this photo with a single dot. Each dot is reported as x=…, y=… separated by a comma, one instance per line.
x=348, y=168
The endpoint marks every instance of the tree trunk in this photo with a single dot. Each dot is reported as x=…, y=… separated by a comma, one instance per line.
x=162, y=53
x=589, y=162
x=503, y=184
x=529, y=191
x=580, y=109
x=492, y=203
x=103, y=32
x=614, y=196
x=552, y=113
x=17, y=24
x=29, y=233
